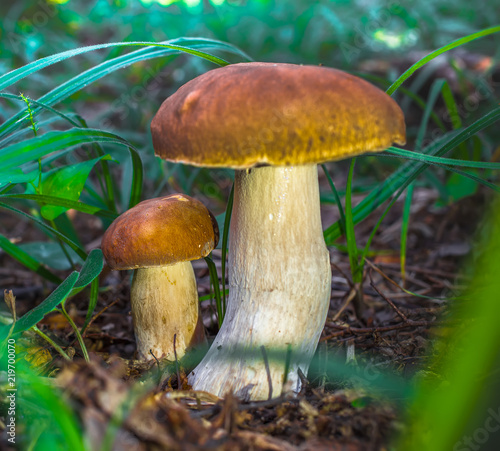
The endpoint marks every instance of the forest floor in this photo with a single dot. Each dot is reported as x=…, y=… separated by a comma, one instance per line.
x=393, y=338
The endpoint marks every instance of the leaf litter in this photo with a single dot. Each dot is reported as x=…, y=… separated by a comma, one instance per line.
x=132, y=405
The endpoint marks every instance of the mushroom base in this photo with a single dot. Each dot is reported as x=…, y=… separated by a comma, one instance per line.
x=279, y=285
x=165, y=304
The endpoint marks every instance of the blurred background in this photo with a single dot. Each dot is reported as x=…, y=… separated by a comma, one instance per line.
x=377, y=38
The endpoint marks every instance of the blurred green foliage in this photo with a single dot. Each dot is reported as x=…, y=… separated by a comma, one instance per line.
x=270, y=30
x=341, y=33
x=457, y=404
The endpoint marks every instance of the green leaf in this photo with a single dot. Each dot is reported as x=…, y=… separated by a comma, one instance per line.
x=459, y=187
x=49, y=229
x=49, y=421
x=438, y=52
x=36, y=314
x=26, y=259
x=73, y=283
x=79, y=122
x=50, y=254
x=90, y=269
x=16, y=176
x=67, y=183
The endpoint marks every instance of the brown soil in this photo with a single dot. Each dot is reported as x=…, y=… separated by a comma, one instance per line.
x=354, y=409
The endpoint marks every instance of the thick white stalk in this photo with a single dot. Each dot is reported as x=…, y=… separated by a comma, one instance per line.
x=165, y=303
x=279, y=284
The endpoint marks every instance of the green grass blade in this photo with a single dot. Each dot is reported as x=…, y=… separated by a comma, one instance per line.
x=454, y=116
x=336, y=197
x=74, y=246
x=434, y=93
x=91, y=268
x=352, y=248
x=451, y=106
x=473, y=177
x=410, y=170
x=185, y=45
x=62, y=202
x=436, y=88
x=15, y=176
x=22, y=133
x=214, y=278
x=38, y=147
x=430, y=159
x=35, y=315
x=440, y=51
x=94, y=293
x=67, y=229
x=404, y=227
x=137, y=176
x=396, y=196
x=225, y=239
x=43, y=106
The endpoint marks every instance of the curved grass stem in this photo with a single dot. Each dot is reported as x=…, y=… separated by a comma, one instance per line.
x=77, y=333
x=52, y=343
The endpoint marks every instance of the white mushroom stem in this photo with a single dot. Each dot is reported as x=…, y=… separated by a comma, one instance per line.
x=165, y=304
x=279, y=285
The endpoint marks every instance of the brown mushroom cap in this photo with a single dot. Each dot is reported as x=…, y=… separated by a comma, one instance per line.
x=159, y=232
x=249, y=114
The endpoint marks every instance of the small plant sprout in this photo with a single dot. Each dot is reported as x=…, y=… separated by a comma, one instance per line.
x=158, y=238
x=273, y=123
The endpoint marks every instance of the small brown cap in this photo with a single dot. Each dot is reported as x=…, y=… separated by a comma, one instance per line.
x=249, y=114
x=159, y=232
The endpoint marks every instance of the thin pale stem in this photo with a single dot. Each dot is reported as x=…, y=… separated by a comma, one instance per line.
x=51, y=342
x=77, y=333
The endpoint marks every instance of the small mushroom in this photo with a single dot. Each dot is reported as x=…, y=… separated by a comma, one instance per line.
x=273, y=123
x=158, y=238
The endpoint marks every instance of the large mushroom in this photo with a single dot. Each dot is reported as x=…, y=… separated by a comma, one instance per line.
x=273, y=123
x=159, y=238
